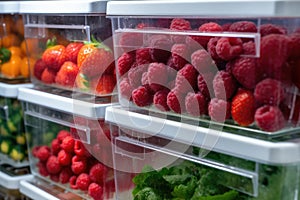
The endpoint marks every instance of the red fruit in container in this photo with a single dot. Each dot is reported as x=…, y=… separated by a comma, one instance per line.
x=219, y=109
x=79, y=164
x=196, y=104
x=38, y=68
x=267, y=29
x=72, y=51
x=95, y=191
x=54, y=57
x=65, y=175
x=64, y=158
x=68, y=144
x=97, y=173
x=179, y=24
x=103, y=85
x=53, y=165
x=202, y=61
x=83, y=181
x=224, y=85
x=43, y=153
x=124, y=63
x=186, y=79
x=229, y=48
x=175, y=101
x=55, y=146
x=42, y=169
x=80, y=149
x=67, y=74
x=125, y=88
x=72, y=181
x=142, y=96
x=48, y=76
x=62, y=134
x=160, y=100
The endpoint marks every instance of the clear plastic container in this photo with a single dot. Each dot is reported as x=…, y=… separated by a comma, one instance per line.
x=225, y=64
x=72, y=46
x=163, y=160
x=14, y=62
x=13, y=148
x=69, y=143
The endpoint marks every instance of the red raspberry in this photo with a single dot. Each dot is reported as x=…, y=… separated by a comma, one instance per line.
x=65, y=175
x=55, y=146
x=130, y=41
x=42, y=169
x=269, y=118
x=145, y=78
x=160, y=100
x=274, y=52
x=207, y=27
x=175, y=101
x=294, y=46
x=267, y=29
x=243, y=26
x=95, y=191
x=157, y=75
x=186, y=79
x=205, y=85
x=68, y=144
x=83, y=181
x=296, y=73
x=142, y=96
x=79, y=165
x=54, y=177
x=98, y=173
x=202, y=61
x=269, y=91
x=243, y=107
x=160, y=48
x=219, y=110
x=35, y=150
x=53, y=165
x=249, y=48
x=73, y=182
x=64, y=158
x=80, y=149
x=62, y=134
x=180, y=55
x=125, y=88
x=124, y=63
x=211, y=48
x=224, y=85
x=247, y=72
x=43, y=153
x=135, y=75
x=143, y=56
x=196, y=104
x=179, y=24
x=226, y=26
x=229, y=48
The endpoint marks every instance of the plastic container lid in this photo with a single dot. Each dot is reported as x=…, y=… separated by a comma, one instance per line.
x=61, y=103
x=12, y=90
x=9, y=7
x=63, y=7
x=228, y=8
x=236, y=145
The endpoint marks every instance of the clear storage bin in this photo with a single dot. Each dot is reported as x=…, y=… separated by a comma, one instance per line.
x=232, y=65
x=71, y=45
x=69, y=143
x=183, y=162
x=14, y=62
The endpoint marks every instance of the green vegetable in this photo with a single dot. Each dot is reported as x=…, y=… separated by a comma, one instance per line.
x=147, y=193
x=231, y=195
x=4, y=55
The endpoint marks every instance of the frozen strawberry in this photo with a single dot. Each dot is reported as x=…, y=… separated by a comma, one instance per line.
x=175, y=101
x=97, y=173
x=79, y=165
x=53, y=165
x=269, y=118
x=160, y=100
x=72, y=51
x=68, y=144
x=160, y=48
x=55, y=146
x=64, y=158
x=95, y=191
x=62, y=134
x=202, y=61
x=186, y=79
x=229, y=48
x=103, y=85
x=65, y=175
x=243, y=107
x=124, y=63
x=38, y=68
x=54, y=57
x=224, y=85
x=67, y=74
x=142, y=96
x=83, y=181
x=180, y=55
x=48, y=76
x=42, y=169
x=80, y=149
x=267, y=29
x=219, y=109
x=196, y=104
x=43, y=153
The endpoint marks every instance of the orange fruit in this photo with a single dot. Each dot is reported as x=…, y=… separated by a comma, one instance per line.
x=11, y=69
x=30, y=47
x=19, y=26
x=15, y=50
x=10, y=39
x=26, y=63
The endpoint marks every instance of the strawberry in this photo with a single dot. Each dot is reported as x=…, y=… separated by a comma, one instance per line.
x=104, y=85
x=243, y=107
x=54, y=57
x=72, y=51
x=48, y=76
x=67, y=74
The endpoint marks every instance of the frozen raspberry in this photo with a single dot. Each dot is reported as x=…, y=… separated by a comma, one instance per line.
x=130, y=41
x=135, y=75
x=294, y=46
x=42, y=169
x=180, y=55
x=160, y=100
x=179, y=24
x=143, y=56
x=43, y=153
x=79, y=165
x=65, y=175
x=229, y=48
x=83, y=181
x=80, y=149
x=219, y=110
x=269, y=91
x=243, y=26
x=186, y=79
x=160, y=48
x=269, y=118
x=72, y=181
x=62, y=134
x=249, y=48
x=202, y=61
x=55, y=146
x=53, y=165
x=175, y=101
x=125, y=89
x=267, y=29
x=95, y=191
x=247, y=72
x=142, y=96
x=157, y=75
x=64, y=158
x=273, y=53
x=211, y=48
x=196, y=104
x=68, y=144
x=224, y=85
x=205, y=86
x=97, y=173
x=124, y=63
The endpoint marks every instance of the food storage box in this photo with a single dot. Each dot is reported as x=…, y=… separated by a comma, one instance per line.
x=162, y=159
x=226, y=64
x=13, y=148
x=13, y=59
x=71, y=43
x=68, y=142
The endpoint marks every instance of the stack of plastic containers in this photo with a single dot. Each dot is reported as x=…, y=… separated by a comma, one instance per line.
x=209, y=95
x=74, y=78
